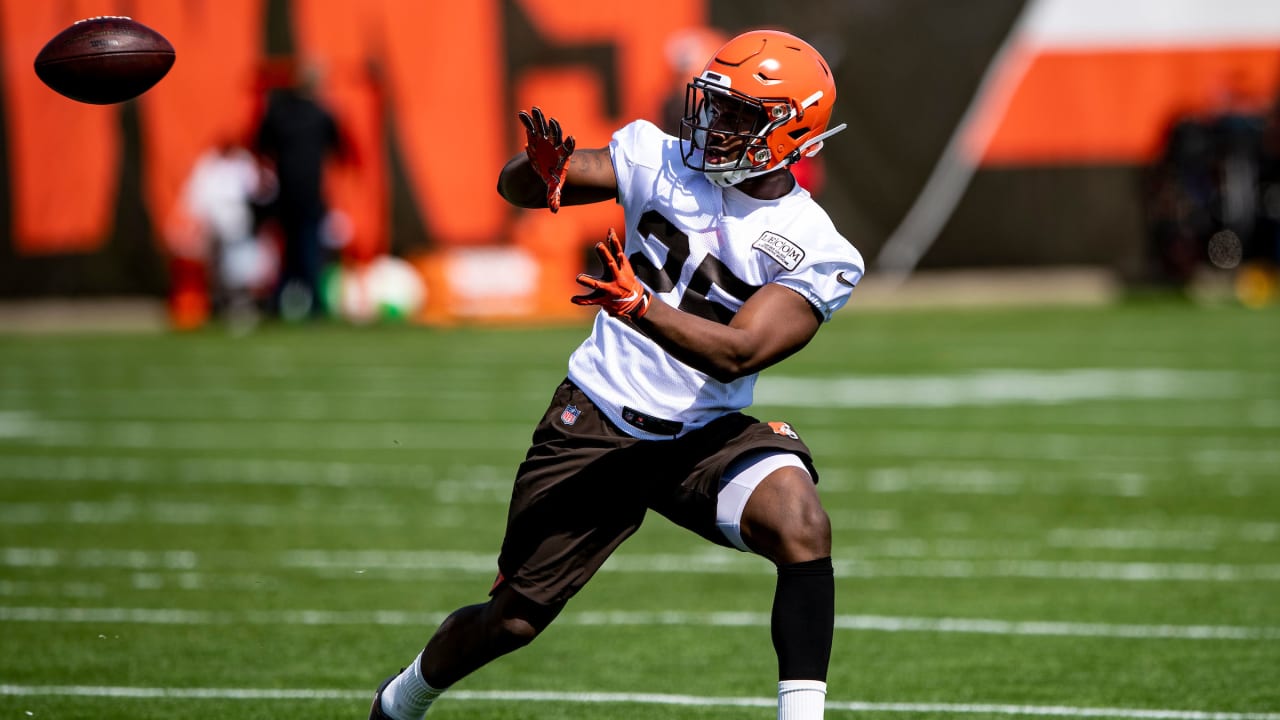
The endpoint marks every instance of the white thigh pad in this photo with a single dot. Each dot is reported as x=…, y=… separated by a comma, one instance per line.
x=737, y=484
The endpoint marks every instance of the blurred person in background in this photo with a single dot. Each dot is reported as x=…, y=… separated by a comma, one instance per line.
x=224, y=194
x=728, y=266
x=1260, y=275
x=1268, y=245
x=1206, y=193
x=296, y=136
x=1180, y=196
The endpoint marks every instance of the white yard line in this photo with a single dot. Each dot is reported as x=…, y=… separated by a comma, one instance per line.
x=738, y=563
x=24, y=588
x=161, y=693
x=950, y=544
x=996, y=387
x=246, y=471
x=860, y=623
x=1067, y=464
x=719, y=562
x=275, y=434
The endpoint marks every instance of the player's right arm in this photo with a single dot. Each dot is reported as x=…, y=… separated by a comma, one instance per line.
x=551, y=172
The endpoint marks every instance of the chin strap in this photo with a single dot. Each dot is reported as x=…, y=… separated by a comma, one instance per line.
x=726, y=178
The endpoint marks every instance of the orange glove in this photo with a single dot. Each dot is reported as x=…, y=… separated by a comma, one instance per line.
x=548, y=152
x=618, y=290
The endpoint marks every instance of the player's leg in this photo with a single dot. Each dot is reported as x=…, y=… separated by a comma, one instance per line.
x=467, y=640
x=574, y=502
x=782, y=518
x=473, y=636
x=769, y=505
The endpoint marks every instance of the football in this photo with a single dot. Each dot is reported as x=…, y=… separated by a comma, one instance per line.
x=104, y=60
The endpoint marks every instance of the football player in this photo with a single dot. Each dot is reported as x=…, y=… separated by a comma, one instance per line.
x=726, y=266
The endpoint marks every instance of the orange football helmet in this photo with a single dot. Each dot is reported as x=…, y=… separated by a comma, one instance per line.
x=761, y=103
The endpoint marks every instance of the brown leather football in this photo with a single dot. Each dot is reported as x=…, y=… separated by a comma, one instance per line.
x=104, y=60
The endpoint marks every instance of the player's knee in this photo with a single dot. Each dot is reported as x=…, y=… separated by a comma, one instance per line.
x=510, y=622
x=512, y=633
x=804, y=534
x=812, y=534
x=788, y=524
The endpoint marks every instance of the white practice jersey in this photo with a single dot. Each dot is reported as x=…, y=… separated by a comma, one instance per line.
x=705, y=250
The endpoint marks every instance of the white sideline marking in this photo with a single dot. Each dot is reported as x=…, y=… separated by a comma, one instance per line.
x=20, y=588
x=275, y=434
x=630, y=698
x=995, y=387
x=17, y=424
x=730, y=563
x=131, y=511
x=709, y=562
x=874, y=623
x=256, y=471
x=1213, y=532
x=1059, y=455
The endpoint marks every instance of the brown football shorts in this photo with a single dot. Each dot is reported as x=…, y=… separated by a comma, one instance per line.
x=585, y=487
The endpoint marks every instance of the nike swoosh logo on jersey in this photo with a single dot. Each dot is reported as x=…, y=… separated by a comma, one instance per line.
x=840, y=278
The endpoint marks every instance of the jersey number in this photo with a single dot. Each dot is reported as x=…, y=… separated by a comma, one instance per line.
x=709, y=272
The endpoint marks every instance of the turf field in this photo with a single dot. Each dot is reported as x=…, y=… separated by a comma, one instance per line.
x=1054, y=512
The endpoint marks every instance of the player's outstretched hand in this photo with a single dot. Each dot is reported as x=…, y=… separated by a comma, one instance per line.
x=548, y=150
x=617, y=290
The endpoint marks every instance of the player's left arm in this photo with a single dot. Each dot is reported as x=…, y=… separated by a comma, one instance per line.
x=772, y=325
x=552, y=172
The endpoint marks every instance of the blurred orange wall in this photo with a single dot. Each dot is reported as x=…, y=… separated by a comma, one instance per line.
x=1100, y=82
x=435, y=74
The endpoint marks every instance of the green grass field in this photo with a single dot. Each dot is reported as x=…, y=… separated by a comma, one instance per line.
x=1037, y=512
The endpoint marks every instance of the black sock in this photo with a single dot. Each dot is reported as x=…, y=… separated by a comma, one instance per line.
x=804, y=614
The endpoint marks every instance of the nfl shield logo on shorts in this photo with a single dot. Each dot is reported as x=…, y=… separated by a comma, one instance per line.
x=570, y=415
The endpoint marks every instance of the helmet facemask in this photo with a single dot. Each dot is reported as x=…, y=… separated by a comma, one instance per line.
x=724, y=133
